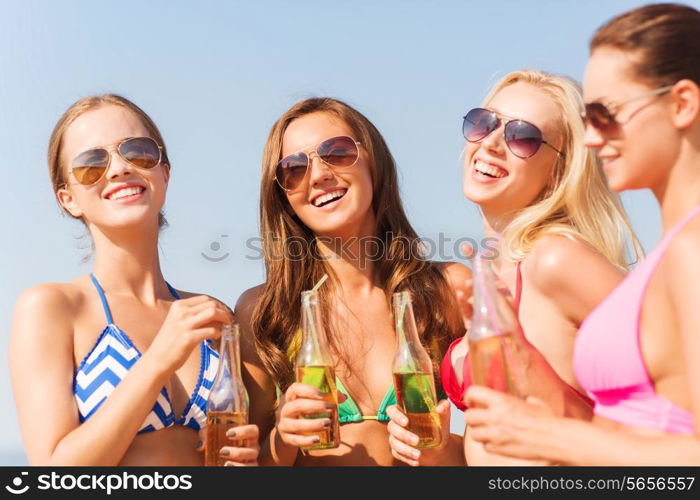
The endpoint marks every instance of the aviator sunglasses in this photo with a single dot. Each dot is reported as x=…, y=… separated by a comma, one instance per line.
x=522, y=138
x=90, y=166
x=602, y=117
x=341, y=151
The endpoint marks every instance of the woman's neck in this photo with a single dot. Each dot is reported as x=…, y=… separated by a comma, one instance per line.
x=352, y=256
x=495, y=223
x=679, y=192
x=127, y=262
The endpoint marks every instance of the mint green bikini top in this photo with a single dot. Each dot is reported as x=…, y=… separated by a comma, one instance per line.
x=348, y=411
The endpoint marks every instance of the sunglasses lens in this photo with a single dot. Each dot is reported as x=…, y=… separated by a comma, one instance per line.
x=479, y=123
x=338, y=151
x=291, y=170
x=89, y=166
x=142, y=152
x=600, y=117
x=522, y=138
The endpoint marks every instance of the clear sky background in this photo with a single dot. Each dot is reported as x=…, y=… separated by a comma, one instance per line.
x=215, y=75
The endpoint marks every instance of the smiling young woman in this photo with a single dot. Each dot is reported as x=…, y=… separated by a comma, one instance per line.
x=544, y=197
x=329, y=184
x=113, y=398
x=638, y=354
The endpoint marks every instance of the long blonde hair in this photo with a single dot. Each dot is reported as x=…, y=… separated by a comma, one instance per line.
x=577, y=202
x=401, y=266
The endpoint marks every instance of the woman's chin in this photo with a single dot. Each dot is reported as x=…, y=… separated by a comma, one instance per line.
x=133, y=222
x=478, y=196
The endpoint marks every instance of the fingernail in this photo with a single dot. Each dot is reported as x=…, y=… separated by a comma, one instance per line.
x=327, y=422
x=224, y=452
x=230, y=433
x=330, y=406
x=404, y=422
x=415, y=454
x=316, y=439
x=320, y=393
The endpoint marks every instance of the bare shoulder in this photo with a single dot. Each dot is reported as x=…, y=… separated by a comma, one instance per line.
x=52, y=299
x=457, y=275
x=46, y=311
x=681, y=254
x=686, y=240
x=247, y=301
x=245, y=305
x=559, y=261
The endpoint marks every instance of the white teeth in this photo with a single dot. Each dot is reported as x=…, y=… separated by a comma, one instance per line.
x=485, y=168
x=123, y=193
x=328, y=197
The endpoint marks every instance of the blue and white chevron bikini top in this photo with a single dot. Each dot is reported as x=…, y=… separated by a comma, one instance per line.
x=113, y=356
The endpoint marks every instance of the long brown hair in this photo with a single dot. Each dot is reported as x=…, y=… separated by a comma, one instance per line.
x=663, y=40
x=401, y=266
x=57, y=170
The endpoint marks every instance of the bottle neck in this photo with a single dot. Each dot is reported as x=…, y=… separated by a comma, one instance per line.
x=229, y=355
x=410, y=356
x=491, y=313
x=313, y=351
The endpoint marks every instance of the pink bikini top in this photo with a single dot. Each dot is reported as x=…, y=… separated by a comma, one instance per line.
x=455, y=391
x=608, y=360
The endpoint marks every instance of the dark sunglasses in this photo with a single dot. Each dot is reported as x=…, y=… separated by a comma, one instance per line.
x=522, y=138
x=603, y=116
x=90, y=166
x=339, y=151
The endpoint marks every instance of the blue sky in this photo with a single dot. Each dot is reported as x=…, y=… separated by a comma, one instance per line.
x=214, y=75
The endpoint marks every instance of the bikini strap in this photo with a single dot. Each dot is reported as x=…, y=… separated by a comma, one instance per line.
x=518, y=287
x=655, y=256
x=105, y=305
x=677, y=228
x=103, y=298
x=173, y=292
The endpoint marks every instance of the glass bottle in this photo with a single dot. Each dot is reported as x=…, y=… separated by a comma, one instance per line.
x=414, y=383
x=492, y=350
x=228, y=404
x=314, y=366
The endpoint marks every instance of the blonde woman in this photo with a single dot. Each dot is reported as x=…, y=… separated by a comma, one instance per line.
x=562, y=235
x=88, y=393
x=638, y=353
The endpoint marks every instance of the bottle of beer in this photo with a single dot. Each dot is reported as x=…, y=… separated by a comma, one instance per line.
x=227, y=405
x=413, y=376
x=492, y=350
x=315, y=367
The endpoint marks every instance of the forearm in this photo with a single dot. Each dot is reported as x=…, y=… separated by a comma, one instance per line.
x=105, y=437
x=573, y=442
x=275, y=452
x=452, y=454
